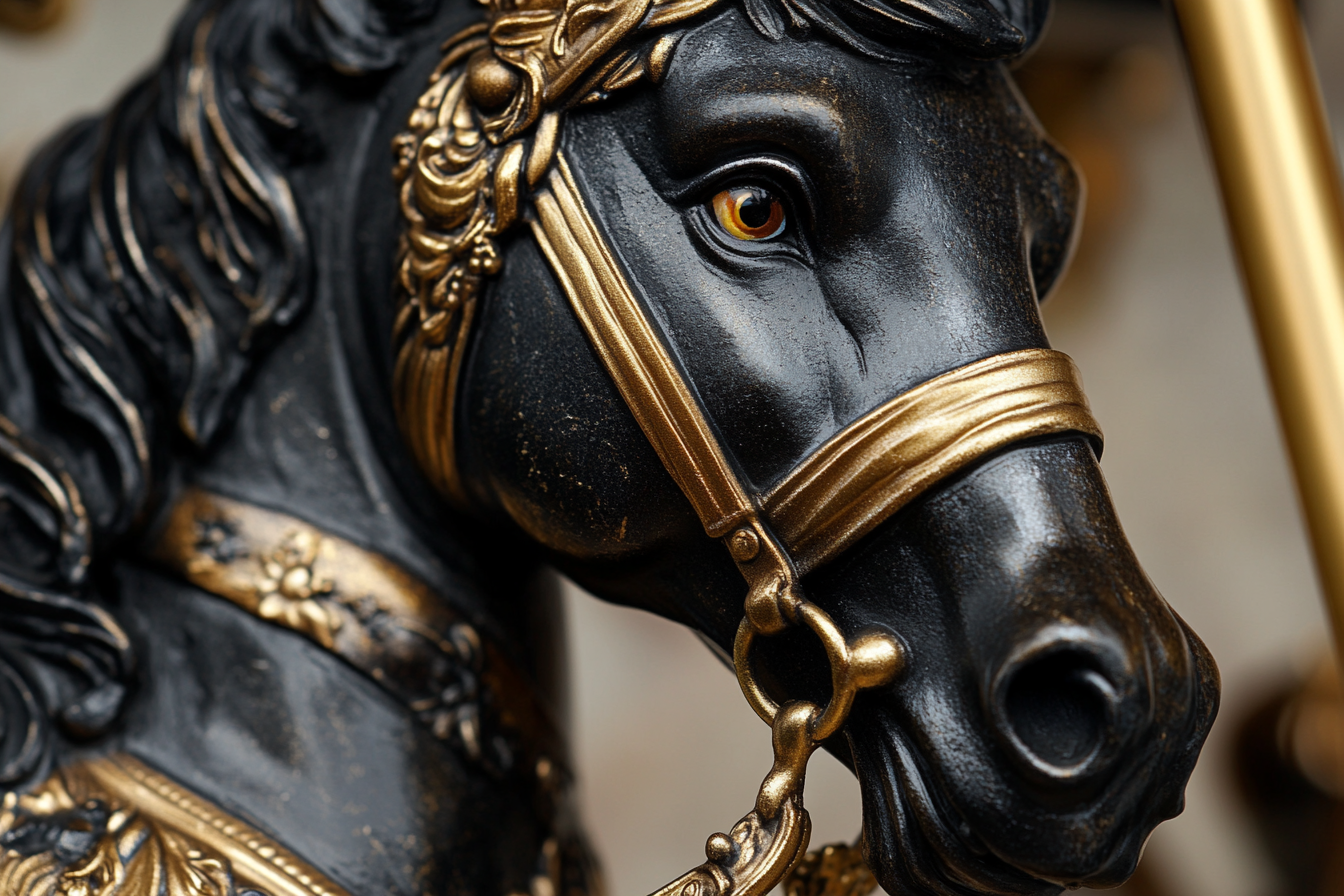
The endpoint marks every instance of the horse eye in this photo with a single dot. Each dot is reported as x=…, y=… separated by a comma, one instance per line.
x=750, y=213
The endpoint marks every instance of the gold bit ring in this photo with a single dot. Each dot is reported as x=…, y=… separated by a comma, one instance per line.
x=871, y=659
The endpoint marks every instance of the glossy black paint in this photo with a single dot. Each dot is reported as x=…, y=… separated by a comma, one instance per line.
x=1053, y=705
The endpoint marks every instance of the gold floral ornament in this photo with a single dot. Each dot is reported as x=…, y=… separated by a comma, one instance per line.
x=289, y=585
x=481, y=137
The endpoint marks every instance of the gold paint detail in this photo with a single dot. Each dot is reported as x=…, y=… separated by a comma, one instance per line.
x=114, y=826
x=892, y=455
x=365, y=609
x=485, y=131
x=836, y=869
x=1270, y=138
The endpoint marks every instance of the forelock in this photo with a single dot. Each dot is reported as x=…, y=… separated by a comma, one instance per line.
x=973, y=29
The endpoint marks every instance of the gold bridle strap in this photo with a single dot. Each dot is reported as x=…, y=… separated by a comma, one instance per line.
x=892, y=455
x=631, y=350
x=859, y=478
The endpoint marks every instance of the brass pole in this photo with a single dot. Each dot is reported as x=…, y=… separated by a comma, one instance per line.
x=1271, y=144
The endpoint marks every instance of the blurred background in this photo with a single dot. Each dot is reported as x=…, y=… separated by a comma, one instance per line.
x=1153, y=313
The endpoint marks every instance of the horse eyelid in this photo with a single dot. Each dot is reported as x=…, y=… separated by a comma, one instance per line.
x=772, y=170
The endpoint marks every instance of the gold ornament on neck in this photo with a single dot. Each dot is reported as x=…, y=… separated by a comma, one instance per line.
x=116, y=827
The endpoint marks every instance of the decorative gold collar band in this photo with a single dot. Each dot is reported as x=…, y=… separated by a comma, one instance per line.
x=373, y=614
x=141, y=835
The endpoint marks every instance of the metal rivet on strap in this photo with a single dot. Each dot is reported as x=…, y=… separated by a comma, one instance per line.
x=744, y=545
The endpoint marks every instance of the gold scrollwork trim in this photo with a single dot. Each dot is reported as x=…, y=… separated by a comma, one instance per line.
x=483, y=134
x=890, y=456
x=130, y=831
x=358, y=605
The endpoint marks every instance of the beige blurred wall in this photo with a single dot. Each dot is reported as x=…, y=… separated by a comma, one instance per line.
x=76, y=69
x=668, y=750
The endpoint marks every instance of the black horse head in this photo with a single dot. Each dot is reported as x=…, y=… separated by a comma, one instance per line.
x=813, y=207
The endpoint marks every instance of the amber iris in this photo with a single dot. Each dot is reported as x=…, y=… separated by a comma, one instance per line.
x=750, y=213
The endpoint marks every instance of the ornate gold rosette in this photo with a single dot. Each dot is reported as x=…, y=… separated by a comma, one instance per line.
x=481, y=137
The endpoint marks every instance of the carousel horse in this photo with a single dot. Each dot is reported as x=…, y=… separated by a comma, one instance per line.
x=726, y=309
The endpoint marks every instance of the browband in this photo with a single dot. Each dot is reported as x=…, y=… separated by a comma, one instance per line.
x=861, y=476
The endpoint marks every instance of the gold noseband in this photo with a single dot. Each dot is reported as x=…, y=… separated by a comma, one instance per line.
x=887, y=458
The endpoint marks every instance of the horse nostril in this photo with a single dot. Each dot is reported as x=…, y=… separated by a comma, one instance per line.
x=1058, y=707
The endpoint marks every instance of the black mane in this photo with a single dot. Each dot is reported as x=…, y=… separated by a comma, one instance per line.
x=150, y=258
x=976, y=29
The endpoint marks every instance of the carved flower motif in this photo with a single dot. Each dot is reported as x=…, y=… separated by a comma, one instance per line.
x=289, y=588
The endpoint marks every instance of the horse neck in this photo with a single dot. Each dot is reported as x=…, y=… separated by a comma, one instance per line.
x=315, y=439
x=283, y=735
x=283, y=731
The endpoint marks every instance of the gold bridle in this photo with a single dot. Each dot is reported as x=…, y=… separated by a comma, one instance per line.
x=484, y=139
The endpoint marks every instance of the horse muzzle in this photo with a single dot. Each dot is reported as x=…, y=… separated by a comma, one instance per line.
x=1052, y=705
